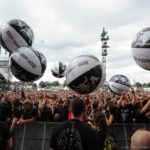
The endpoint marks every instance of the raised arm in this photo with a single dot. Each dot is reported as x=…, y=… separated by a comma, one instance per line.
x=119, y=102
x=145, y=108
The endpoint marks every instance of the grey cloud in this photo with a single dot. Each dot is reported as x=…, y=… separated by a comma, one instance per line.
x=70, y=28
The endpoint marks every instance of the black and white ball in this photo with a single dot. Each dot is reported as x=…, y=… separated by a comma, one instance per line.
x=118, y=84
x=85, y=74
x=4, y=75
x=15, y=34
x=141, y=48
x=27, y=64
x=58, y=69
x=2, y=79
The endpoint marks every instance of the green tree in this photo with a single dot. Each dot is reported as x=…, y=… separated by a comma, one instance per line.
x=48, y=84
x=148, y=84
x=64, y=84
x=42, y=84
x=34, y=85
x=138, y=85
x=55, y=83
x=144, y=85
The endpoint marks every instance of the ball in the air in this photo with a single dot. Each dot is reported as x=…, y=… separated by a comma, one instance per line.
x=58, y=69
x=27, y=64
x=15, y=34
x=119, y=84
x=2, y=79
x=141, y=48
x=4, y=75
x=85, y=74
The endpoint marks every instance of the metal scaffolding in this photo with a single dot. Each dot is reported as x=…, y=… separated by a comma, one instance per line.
x=4, y=64
x=104, y=39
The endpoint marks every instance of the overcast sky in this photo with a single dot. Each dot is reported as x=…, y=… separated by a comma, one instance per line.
x=69, y=28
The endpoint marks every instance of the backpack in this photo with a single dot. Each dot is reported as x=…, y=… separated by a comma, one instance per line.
x=69, y=139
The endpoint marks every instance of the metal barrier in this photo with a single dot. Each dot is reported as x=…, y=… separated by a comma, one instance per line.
x=37, y=136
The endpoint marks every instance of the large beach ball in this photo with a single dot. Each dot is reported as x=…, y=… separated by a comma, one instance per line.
x=58, y=69
x=85, y=74
x=141, y=48
x=4, y=73
x=27, y=64
x=15, y=34
x=118, y=84
x=2, y=79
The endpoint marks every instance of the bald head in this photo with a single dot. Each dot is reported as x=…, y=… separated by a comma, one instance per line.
x=140, y=140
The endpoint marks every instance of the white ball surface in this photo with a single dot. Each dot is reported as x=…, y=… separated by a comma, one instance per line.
x=141, y=48
x=85, y=74
x=118, y=84
x=15, y=34
x=27, y=64
x=58, y=69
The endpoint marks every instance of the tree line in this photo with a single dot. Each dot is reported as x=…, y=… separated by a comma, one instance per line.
x=48, y=84
x=142, y=85
x=33, y=85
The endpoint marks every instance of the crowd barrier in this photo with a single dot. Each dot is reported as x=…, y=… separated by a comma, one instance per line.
x=37, y=136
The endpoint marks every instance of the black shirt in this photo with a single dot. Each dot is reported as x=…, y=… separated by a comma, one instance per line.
x=106, y=140
x=63, y=110
x=100, y=135
x=29, y=114
x=46, y=114
x=16, y=112
x=86, y=136
x=137, y=116
x=124, y=114
x=5, y=110
x=4, y=135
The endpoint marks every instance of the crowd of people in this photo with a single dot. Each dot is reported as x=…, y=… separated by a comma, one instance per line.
x=18, y=108
x=27, y=107
x=74, y=134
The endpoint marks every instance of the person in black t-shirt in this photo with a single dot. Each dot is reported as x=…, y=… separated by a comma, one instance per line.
x=63, y=110
x=29, y=113
x=73, y=134
x=133, y=111
x=16, y=112
x=110, y=113
x=5, y=110
x=105, y=139
x=141, y=108
x=5, y=137
x=45, y=111
x=124, y=110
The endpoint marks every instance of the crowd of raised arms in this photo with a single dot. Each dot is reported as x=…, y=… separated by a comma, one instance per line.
x=19, y=108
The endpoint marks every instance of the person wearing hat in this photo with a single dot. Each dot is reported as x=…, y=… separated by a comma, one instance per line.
x=29, y=113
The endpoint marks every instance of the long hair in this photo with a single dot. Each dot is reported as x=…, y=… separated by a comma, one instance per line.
x=99, y=120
